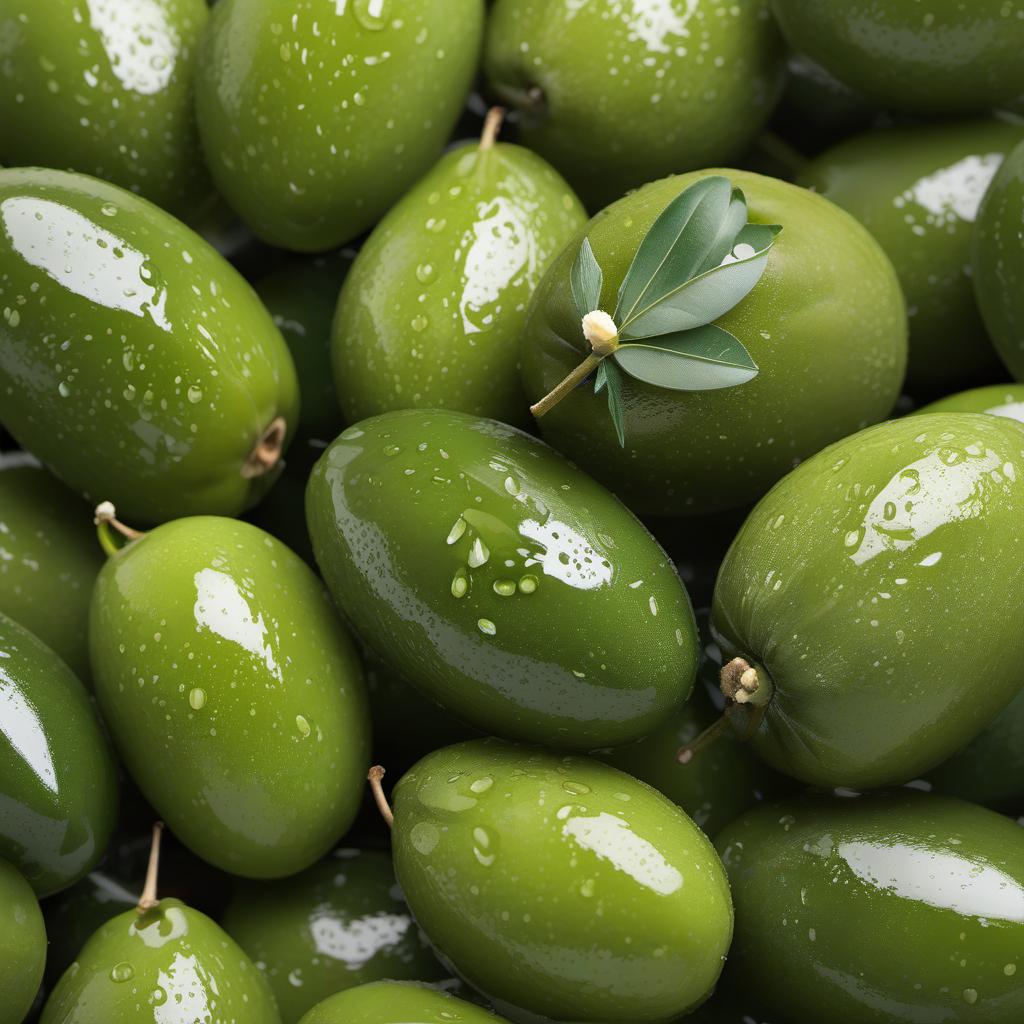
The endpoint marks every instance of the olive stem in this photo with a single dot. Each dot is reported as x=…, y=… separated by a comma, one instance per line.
x=267, y=453
x=687, y=753
x=105, y=517
x=148, y=900
x=375, y=775
x=567, y=386
x=492, y=126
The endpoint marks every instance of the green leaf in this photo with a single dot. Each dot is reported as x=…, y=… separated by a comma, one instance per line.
x=703, y=359
x=693, y=234
x=702, y=299
x=586, y=280
x=608, y=376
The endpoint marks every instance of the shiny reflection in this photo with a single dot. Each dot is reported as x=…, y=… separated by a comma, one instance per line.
x=23, y=729
x=941, y=880
x=612, y=840
x=566, y=555
x=168, y=925
x=184, y=993
x=953, y=193
x=83, y=257
x=222, y=608
x=139, y=41
x=1011, y=410
x=948, y=485
x=357, y=942
x=653, y=21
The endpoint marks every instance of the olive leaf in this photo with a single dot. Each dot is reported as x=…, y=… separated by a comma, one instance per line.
x=703, y=359
x=608, y=377
x=694, y=233
x=586, y=280
x=704, y=298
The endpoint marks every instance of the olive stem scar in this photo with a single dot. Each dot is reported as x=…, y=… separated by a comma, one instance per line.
x=267, y=453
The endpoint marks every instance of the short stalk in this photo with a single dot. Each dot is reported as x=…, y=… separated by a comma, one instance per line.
x=567, y=386
x=105, y=519
x=376, y=776
x=492, y=127
x=148, y=900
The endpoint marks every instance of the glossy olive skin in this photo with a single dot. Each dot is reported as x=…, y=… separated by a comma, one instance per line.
x=340, y=924
x=917, y=189
x=233, y=693
x=385, y=1002
x=855, y=585
x=632, y=92
x=170, y=965
x=880, y=909
x=431, y=314
x=128, y=384
x=49, y=559
x=999, y=261
x=946, y=57
x=826, y=324
x=22, y=945
x=559, y=886
x=334, y=110
x=301, y=297
x=58, y=780
x=108, y=94
x=997, y=400
x=500, y=580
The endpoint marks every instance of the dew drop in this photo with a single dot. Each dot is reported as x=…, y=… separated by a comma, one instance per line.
x=486, y=626
x=482, y=784
x=419, y=323
x=122, y=972
x=425, y=273
x=196, y=698
x=478, y=554
x=302, y=725
x=504, y=588
x=457, y=530
x=575, y=788
x=195, y=394
x=460, y=584
x=528, y=585
x=970, y=996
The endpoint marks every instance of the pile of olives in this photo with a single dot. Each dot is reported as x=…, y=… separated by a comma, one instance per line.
x=352, y=529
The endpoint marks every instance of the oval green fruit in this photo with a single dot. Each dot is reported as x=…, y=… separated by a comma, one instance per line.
x=317, y=117
x=827, y=888
x=385, y=1002
x=431, y=314
x=106, y=90
x=301, y=297
x=500, y=580
x=996, y=400
x=950, y=58
x=340, y=924
x=22, y=945
x=49, y=559
x=233, y=693
x=853, y=589
x=559, y=886
x=826, y=324
x=917, y=189
x=999, y=261
x=58, y=780
x=618, y=95
x=169, y=965
x=134, y=361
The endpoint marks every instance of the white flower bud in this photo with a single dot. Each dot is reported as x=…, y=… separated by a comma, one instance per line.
x=599, y=329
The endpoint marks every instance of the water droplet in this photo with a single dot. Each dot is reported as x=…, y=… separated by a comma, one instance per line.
x=486, y=626
x=528, y=585
x=889, y=511
x=511, y=486
x=302, y=725
x=504, y=588
x=122, y=971
x=478, y=554
x=970, y=996
x=587, y=887
x=483, y=847
x=457, y=530
x=653, y=604
x=436, y=225
x=392, y=449
x=129, y=393
x=63, y=389
x=787, y=821
x=425, y=273
x=482, y=784
x=1010, y=970
x=852, y=539
x=196, y=698
x=295, y=978
x=158, y=996
x=460, y=584
x=419, y=323
x=108, y=209
x=12, y=316
x=575, y=788
x=424, y=837
x=195, y=394
x=371, y=14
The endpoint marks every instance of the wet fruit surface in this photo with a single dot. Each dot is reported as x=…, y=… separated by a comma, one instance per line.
x=22, y=945
x=461, y=548
x=392, y=1003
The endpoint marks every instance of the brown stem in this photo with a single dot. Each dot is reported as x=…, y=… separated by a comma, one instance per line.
x=492, y=126
x=267, y=453
x=148, y=900
x=705, y=739
x=106, y=513
x=567, y=386
x=375, y=775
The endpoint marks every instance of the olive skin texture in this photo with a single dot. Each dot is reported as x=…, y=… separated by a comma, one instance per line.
x=315, y=119
x=917, y=189
x=500, y=580
x=853, y=587
x=340, y=924
x=386, y=1002
x=616, y=95
x=947, y=57
x=132, y=382
x=301, y=297
x=233, y=693
x=169, y=965
x=826, y=324
x=559, y=886
x=999, y=261
x=109, y=95
x=58, y=780
x=997, y=400
x=431, y=314
x=49, y=559
x=22, y=945
x=881, y=909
